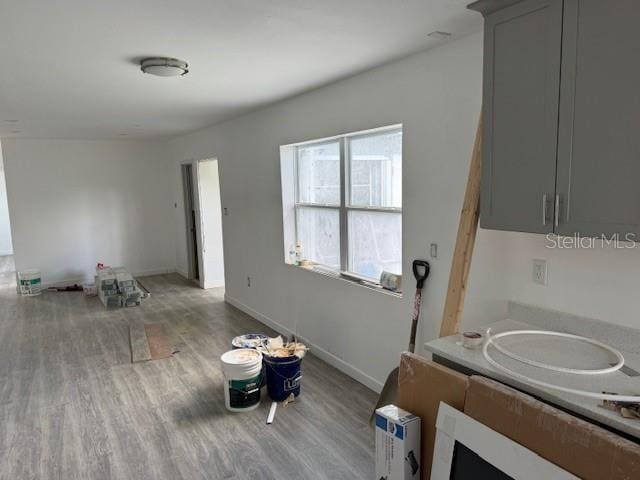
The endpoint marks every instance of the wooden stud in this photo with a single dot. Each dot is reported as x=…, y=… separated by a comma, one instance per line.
x=465, y=241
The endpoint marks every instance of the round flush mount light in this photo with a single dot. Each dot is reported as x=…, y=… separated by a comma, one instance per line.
x=164, y=67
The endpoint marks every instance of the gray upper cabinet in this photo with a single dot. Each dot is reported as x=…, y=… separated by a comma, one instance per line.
x=598, y=179
x=521, y=93
x=561, y=100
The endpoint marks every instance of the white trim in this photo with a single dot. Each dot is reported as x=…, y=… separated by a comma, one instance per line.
x=319, y=352
x=181, y=272
x=157, y=271
x=6, y=253
x=65, y=282
x=199, y=222
x=370, y=131
x=89, y=278
x=509, y=457
x=345, y=207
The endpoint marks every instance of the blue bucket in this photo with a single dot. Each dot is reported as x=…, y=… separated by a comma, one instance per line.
x=284, y=375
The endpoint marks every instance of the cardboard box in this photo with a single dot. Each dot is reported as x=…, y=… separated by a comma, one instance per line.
x=422, y=385
x=584, y=449
x=397, y=444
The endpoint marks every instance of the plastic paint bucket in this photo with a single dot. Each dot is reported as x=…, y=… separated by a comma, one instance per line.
x=29, y=283
x=242, y=370
x=284, y=375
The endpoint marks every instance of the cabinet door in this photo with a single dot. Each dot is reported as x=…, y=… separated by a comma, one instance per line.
x=520, y=102
x=599, y=131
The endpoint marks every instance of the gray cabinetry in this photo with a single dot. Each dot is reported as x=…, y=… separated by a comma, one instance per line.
x=521, y=89
x=598, y=176
x=561, y=103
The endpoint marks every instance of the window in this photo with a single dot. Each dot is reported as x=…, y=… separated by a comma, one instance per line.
x=345, y=194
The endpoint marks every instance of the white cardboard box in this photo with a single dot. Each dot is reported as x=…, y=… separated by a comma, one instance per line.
x=397, y=444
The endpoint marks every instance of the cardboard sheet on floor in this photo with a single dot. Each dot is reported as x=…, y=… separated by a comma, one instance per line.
x=159, y=341
x=584, y=449
x=422, y=385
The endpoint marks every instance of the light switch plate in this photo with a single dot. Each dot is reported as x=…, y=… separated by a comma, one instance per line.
x=539, y=271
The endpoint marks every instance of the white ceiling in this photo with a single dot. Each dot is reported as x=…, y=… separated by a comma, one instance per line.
x=69, y=66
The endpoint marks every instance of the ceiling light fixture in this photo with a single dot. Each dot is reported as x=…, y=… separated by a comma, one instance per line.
x=439, y=35
x=164, y=67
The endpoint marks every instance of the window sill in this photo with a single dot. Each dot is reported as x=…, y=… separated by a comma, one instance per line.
x=338, y=276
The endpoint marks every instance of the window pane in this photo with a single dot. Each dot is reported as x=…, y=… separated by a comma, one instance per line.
x=375, y=243
x=376, y=170
x=319, y=235
x=319, y=174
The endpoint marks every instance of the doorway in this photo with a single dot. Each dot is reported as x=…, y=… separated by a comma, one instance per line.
x=203, y=215
x=193, y=267
x=210, y=222
x=7, y=266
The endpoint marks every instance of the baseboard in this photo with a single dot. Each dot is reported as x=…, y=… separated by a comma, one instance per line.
x=148, y=273
x=182, y=273
x=319, y=352
x=65, y=282
x=89, y=279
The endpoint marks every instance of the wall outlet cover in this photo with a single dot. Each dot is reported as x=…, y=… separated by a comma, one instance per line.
x=539, y=271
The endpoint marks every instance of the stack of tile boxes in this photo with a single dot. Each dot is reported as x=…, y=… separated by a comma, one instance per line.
x=117, y=288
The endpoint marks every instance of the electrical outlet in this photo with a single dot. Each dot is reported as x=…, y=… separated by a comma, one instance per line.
x=539, y=271
x=433, y=250
x=248, y=281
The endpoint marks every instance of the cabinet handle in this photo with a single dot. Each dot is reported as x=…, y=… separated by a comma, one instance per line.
x=544, y=209
x=556, y=211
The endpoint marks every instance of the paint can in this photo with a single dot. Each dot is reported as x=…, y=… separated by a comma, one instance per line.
x=284, y=375
x=242, y=370
x=29, y=283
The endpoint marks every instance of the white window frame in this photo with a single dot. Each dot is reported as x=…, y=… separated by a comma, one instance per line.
x=345, y=194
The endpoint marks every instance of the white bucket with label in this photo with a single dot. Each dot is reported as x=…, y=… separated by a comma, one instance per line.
x=242, y=370
x=30, y=282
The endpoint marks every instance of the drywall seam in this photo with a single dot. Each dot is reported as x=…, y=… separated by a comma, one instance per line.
x=319, y=352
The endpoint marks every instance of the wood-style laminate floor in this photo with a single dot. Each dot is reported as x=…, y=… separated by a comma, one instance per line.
x=72, y=406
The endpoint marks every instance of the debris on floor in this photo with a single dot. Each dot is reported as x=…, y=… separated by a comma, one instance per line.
x=149, y=341
x=117, y=287
x=159, y=342
x=272, y=412
x=69, y=288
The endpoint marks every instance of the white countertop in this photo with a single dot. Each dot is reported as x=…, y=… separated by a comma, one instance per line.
x=569, y=353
